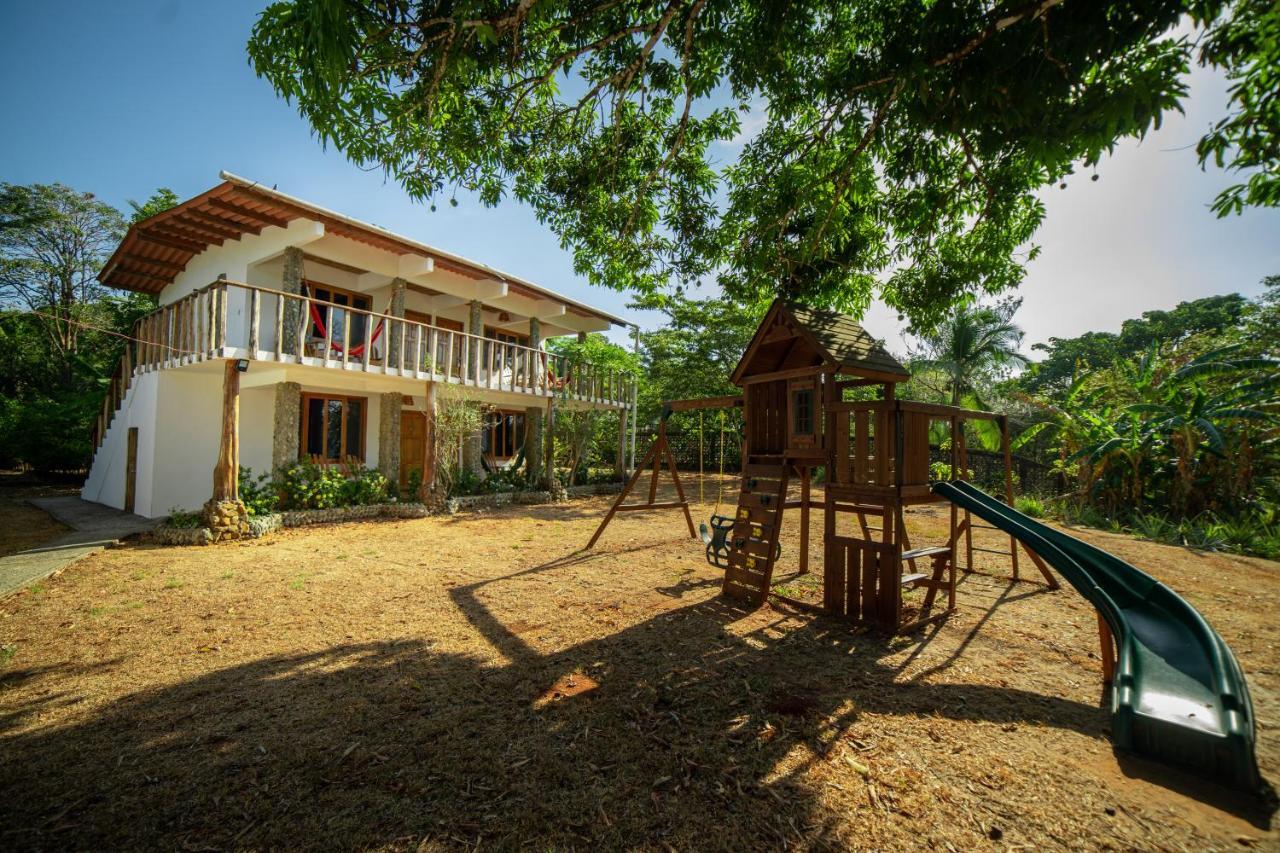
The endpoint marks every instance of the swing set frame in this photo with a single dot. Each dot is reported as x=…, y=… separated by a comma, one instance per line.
x=659, y=456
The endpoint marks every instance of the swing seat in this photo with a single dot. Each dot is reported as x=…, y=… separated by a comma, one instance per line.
x=715, y=536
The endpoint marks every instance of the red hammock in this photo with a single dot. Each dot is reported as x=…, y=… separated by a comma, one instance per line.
x=357, y=350
x=558, y=383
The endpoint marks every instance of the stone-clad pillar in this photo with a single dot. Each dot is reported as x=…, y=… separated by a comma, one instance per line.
x=475, y=326
x=533, y=414
x=397, y=329
x=389, y=436
x=291, y=282
x=288, y=425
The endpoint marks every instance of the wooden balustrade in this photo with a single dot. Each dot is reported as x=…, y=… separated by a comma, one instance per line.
x=227, y=319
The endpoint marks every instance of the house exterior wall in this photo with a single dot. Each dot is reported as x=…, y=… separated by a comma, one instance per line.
x=177, y=409
x=106, y=481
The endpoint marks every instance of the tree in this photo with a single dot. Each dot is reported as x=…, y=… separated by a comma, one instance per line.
x=899, y=149
x=160, y=201
x=973, y=344
x=1247, y=44
x=696, y=349
x=51, y=249
x=1211, y=318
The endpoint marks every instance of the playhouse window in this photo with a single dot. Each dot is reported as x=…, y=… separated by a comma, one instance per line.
x=802, y=412
x=332, y=427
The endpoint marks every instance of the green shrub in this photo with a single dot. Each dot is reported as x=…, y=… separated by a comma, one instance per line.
x=413, y=485
x=1029, y=505
x=463, y=482
x=365, y=486
x=259, y=494
x=310, y=486
x=1153, y=526
x=941, y=470
x=185, y=520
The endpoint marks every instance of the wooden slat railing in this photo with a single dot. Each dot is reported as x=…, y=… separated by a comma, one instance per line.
x=227, y=319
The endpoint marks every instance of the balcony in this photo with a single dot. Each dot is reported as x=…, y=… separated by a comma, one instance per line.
x=232, y=320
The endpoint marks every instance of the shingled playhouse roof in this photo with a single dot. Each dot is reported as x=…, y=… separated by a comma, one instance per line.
x=837, y=340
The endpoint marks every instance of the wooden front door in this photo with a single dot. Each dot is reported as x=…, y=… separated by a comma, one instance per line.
x=413, y=444
x=131, y=471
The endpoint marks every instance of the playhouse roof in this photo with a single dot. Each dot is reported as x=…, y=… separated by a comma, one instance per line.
x=794, y=337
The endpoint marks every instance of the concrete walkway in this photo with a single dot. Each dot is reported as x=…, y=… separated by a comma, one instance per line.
x=93, y=527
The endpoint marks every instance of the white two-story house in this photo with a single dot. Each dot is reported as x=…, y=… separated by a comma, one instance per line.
x=340, y=332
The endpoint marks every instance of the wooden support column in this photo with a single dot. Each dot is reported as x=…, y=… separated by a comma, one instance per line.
x=1006, y=447
x=226, y=473
x=224, y=514
x=806, y=474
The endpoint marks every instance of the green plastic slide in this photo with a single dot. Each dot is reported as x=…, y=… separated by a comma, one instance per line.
x=1179, y=695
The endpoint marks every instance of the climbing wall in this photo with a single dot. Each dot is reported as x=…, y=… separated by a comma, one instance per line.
x=753, y=542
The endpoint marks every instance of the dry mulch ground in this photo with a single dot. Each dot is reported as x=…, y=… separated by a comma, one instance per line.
x=23, y=525
x=449, y=682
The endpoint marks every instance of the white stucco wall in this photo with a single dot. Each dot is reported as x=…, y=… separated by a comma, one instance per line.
x=106, y=481
x=178, y=414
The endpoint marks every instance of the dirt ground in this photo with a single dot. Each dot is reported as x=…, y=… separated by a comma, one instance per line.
x=478, y=681
x=23, y=526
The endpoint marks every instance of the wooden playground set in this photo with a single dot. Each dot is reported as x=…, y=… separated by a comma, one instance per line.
x=876, y=455
x=1178, y=694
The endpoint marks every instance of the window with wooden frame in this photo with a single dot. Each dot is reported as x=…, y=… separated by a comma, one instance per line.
x=506, y=336
x=503, y=434
x=333, y=428
x=802, y=411
x=323, y=293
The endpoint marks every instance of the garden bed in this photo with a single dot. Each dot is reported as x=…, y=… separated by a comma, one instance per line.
x=262, y=525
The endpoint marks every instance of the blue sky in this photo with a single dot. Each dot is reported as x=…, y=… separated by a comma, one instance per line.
x=121, y=97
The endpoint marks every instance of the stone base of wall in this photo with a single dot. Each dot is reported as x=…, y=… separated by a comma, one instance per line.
x=304, y=517
x=262, y=525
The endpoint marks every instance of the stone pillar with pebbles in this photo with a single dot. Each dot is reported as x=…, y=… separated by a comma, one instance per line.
x=398, y=287
x=288, y=416
x=389, y=409
x=291, y=282
x=533, y=414
x=475, y=326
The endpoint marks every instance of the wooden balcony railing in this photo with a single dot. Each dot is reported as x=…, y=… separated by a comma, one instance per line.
x=228, y=319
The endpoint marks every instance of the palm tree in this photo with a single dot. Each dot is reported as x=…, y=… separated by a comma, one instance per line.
x=974, y=342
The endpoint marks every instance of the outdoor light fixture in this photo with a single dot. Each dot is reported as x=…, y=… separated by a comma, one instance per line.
x=242, y=365
x=504, y=317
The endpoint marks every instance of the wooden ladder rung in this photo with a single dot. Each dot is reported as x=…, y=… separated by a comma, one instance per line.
x=909, y=580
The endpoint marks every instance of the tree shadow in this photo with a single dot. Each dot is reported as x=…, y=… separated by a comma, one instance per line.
x=673, y=731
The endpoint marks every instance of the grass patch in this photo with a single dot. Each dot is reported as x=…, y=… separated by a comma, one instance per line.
x=173, y=583
x=7, y=652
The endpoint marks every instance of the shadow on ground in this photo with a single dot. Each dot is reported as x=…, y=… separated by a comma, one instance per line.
x=671, y=731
